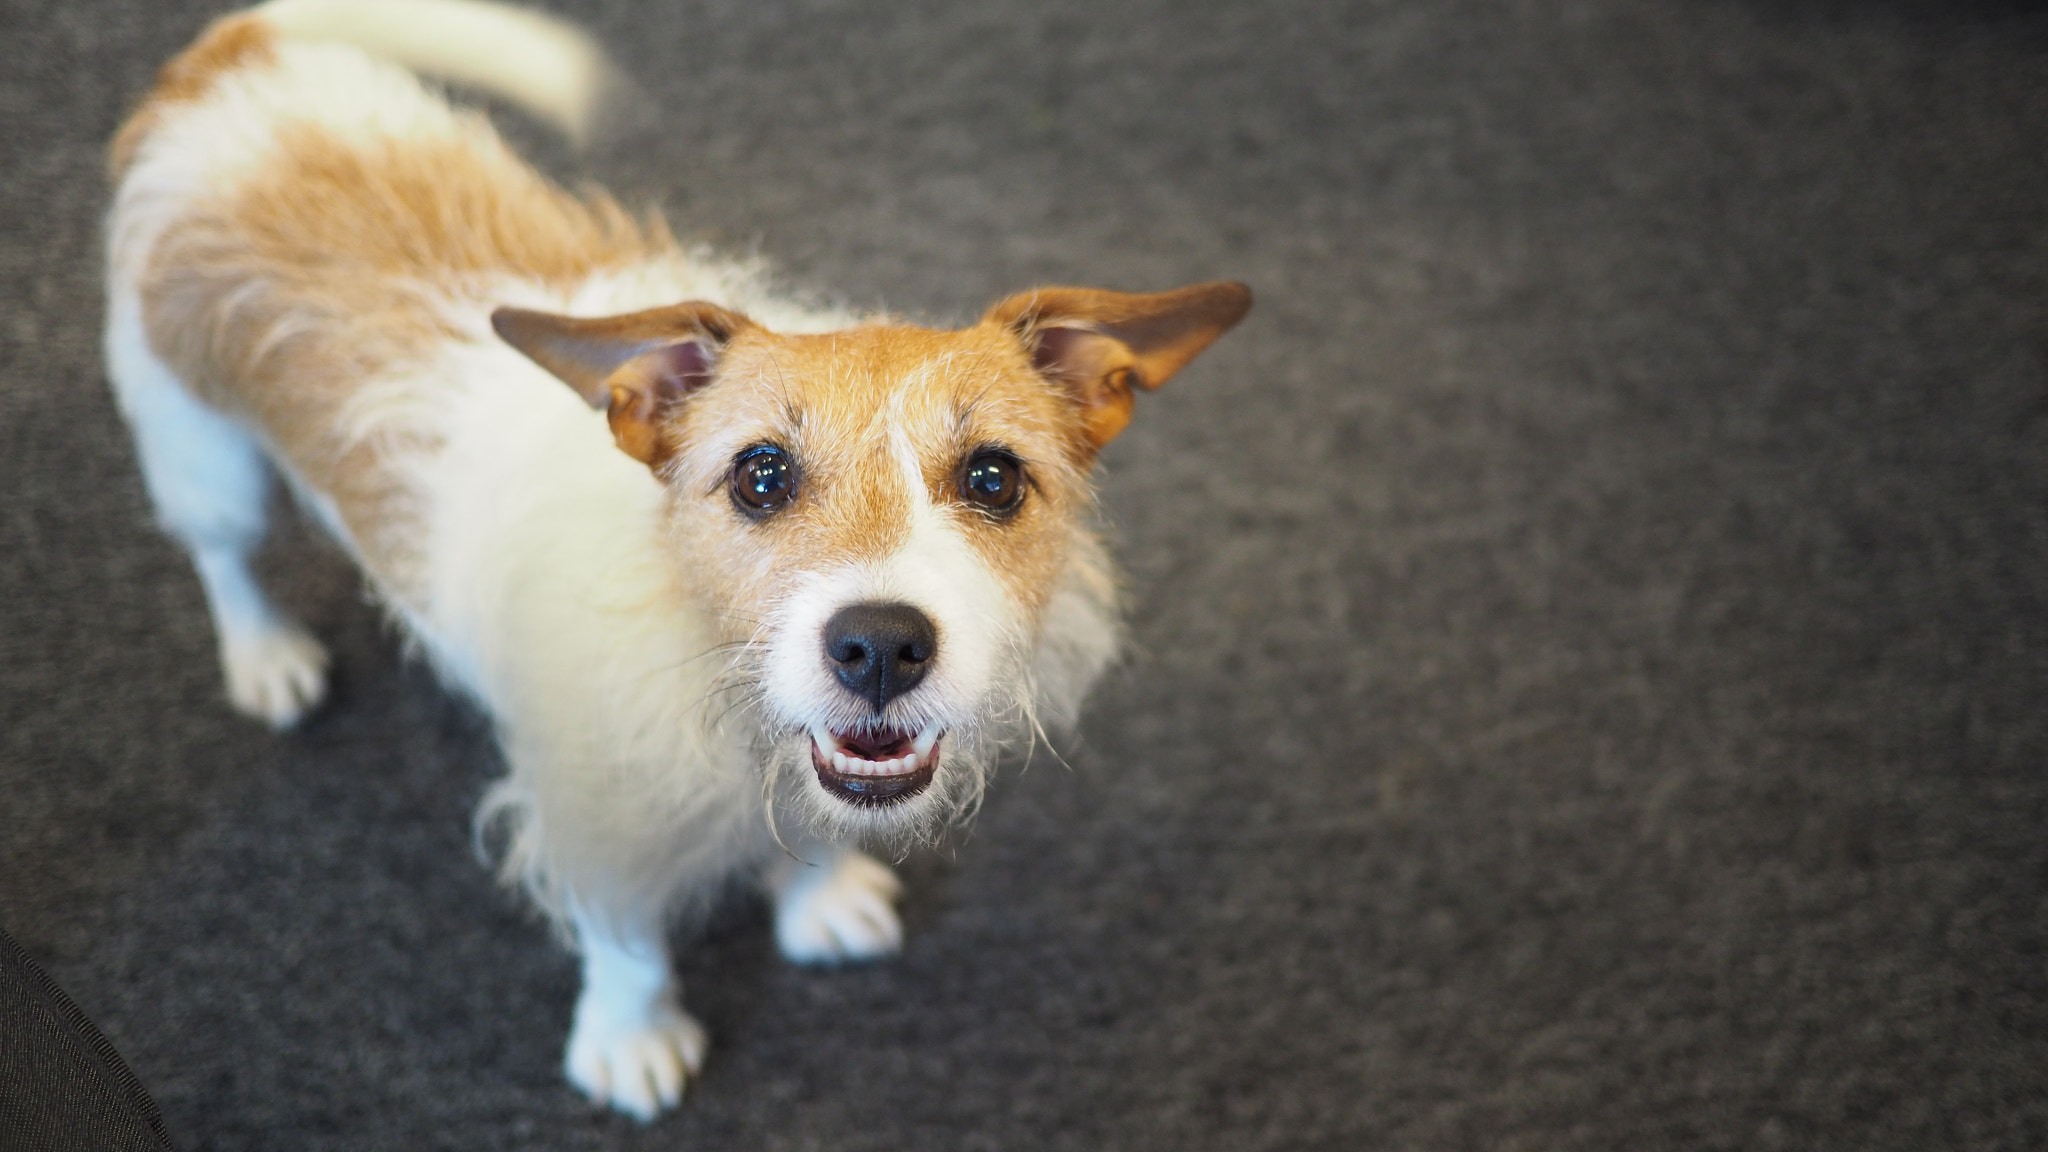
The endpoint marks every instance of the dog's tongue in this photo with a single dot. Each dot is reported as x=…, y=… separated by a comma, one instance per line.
x=884, y=745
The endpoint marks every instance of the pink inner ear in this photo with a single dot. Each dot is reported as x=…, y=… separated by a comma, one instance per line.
x=681, y=369
x=1054, y=349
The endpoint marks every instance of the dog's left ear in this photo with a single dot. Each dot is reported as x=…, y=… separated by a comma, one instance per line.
x=1102, y=344
x=636, y=367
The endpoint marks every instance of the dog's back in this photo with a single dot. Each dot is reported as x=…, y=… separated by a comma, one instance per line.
x=304, y=252
x=298, y=219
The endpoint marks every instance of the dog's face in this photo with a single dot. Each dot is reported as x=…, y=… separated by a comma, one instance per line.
x=878, y=519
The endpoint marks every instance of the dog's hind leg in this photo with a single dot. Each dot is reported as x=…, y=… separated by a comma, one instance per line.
x=210, y=482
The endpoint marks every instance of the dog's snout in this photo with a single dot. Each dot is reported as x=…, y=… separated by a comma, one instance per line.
x=880, y=651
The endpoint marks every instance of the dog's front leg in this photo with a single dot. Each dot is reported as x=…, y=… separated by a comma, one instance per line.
x=834, y=905
x=632, y=1046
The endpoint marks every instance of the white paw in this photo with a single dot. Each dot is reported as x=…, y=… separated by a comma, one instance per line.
x=845, y=911
x=637, y=1063
x=276, y=674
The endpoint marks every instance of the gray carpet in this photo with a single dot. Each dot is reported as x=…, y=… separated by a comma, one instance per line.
x=1592, y=618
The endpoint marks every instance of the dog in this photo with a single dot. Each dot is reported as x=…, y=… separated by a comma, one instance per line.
x=744, y=585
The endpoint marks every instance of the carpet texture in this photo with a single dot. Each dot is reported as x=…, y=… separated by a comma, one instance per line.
x=1591, y=620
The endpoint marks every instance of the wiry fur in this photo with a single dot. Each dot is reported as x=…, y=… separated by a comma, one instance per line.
x=305, y=253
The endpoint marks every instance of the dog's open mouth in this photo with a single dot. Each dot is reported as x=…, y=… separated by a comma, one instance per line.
x=874, y=768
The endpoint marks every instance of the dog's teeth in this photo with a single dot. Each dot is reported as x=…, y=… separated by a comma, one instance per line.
x=857, y=765
x=922, y=746
x=823, y=739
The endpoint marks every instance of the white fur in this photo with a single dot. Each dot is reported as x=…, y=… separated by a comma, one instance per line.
x=977, y=693
x=935, y=571
x=631, y=1043
x=209, y=480
x=546, y=588
x=834, y=905
x=275, y=670
x=546, y=66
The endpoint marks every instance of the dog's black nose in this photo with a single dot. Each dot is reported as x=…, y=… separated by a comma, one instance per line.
x=880, y=651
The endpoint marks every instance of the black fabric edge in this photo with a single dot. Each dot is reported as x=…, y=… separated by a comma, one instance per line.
x=66, y=1009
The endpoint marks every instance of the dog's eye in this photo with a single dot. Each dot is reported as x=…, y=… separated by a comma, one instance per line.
x=763, y=480
x=994, y=482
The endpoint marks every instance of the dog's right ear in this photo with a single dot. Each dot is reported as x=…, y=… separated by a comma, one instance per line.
x=637, y=367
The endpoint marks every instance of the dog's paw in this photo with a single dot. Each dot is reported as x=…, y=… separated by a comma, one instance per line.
x=637, y=1065
x=844, y=912
x=276, y=674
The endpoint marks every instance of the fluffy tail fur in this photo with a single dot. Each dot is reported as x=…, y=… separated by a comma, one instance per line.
x=546, y=66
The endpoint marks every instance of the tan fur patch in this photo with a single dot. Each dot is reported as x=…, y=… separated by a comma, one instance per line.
x=279, y=301
x=232, y=42
x=430, y=209
x=846, y=405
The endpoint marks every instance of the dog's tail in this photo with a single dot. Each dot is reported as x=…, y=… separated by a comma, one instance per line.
x=544, y=65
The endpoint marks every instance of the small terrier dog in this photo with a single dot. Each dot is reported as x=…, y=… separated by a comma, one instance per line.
x=762, y=583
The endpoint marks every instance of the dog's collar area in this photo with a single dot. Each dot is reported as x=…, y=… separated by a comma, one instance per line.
x=877, y=767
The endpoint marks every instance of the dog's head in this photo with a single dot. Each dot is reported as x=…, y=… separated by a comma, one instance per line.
x=891, y=524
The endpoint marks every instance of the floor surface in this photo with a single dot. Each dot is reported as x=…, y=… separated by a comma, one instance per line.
x=1591, y=620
